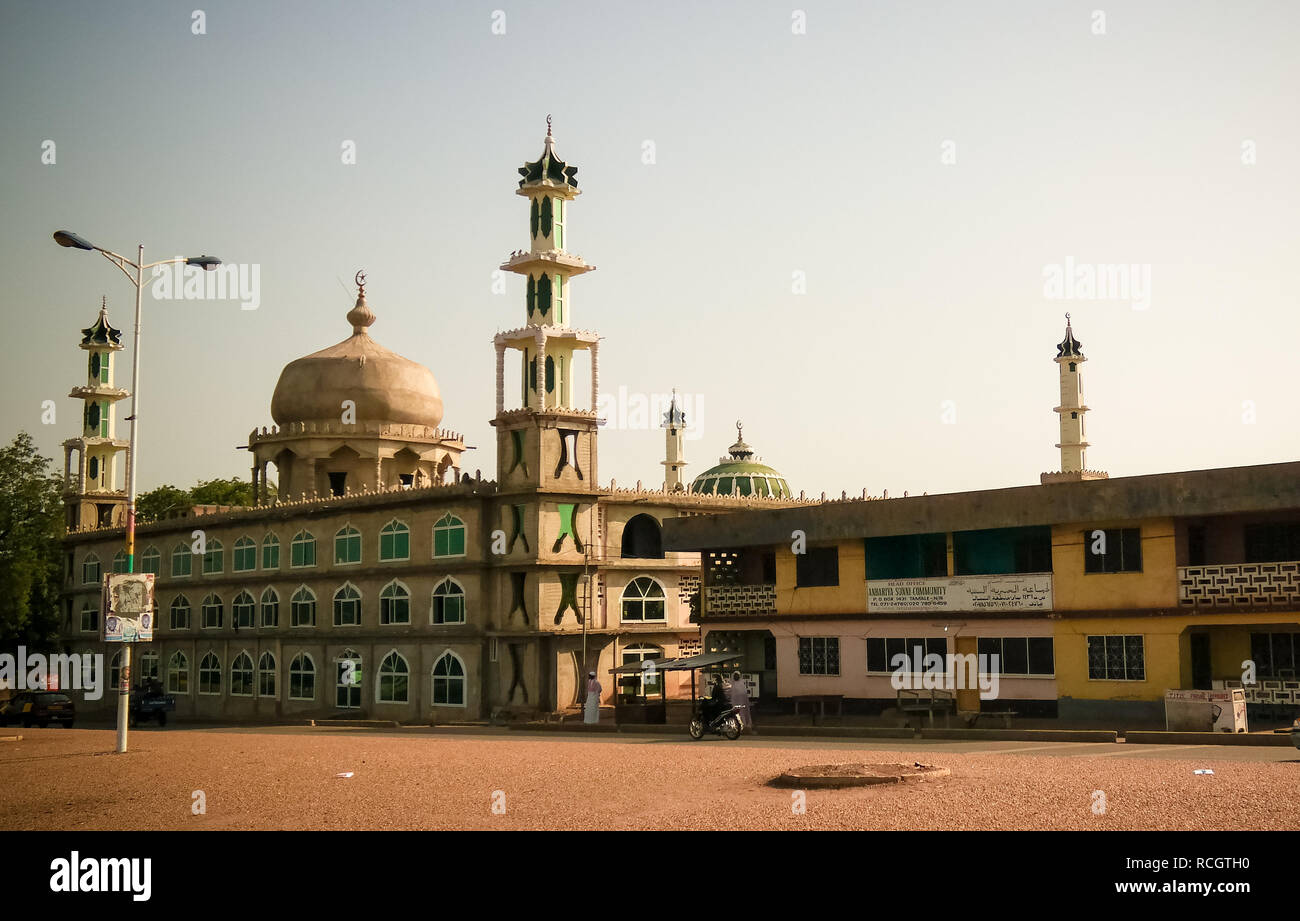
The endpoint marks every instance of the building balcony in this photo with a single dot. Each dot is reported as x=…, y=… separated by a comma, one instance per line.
x=758, y=600
x=1239, y=585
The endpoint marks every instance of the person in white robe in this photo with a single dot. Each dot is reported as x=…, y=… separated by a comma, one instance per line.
x=591, y=708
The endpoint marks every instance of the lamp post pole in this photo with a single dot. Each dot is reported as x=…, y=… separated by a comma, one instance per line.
x=208, y=263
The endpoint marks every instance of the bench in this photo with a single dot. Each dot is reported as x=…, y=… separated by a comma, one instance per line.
x=926, y=701
x=820, y=700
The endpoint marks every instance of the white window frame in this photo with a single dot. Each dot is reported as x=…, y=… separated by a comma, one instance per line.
x=623, y=596
x=252, y=674
x=464, y=605
x=379, y=548
x=379, y=678
x=314, y=672
x=463, y=678
x=218, y=670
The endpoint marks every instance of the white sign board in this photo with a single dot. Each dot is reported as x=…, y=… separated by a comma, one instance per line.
x=127, y=605
x=1030, y=592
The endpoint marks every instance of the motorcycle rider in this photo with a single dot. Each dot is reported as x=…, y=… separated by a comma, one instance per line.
x=716, y=704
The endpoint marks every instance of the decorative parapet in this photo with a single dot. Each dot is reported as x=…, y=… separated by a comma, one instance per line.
x=1239, y=585
x=364, y=429
x=740, y=600
x=523, y=412
x=466, y=487
x=1072, y=476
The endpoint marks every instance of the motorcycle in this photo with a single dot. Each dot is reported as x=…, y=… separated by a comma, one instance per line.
x=725, y=723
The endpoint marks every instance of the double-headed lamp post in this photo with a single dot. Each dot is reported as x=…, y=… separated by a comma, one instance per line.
x=66, y=238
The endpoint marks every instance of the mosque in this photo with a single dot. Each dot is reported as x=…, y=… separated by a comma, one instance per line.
x=453, y=597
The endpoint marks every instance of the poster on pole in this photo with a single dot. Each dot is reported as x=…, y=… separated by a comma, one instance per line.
x=127, y=606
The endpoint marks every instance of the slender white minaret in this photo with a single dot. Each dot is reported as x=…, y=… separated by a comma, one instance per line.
x=91, y=492
x=1073, y=444
x=674, y=426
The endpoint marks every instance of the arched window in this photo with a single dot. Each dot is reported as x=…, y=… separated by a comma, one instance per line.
x=241, y=676
x=643, y=600
x=270, y=552
x=243, y=611
x=394, y=679
x=151, y=560
x=210, y=674
x=641, y=539
x=641, y=684
x=214, y=557
x=90, y=570
x=449, y=536
x=449, y=681
x=448, y=603
x=115, y=673
x=302, y=678
x=266, y=675
x=212, y=611
x=89, y=618
x=149, y=666
x=302, y=608
x=245, y=555
x=119, y=561
x=178, y=674
x=347, y=686
x=347, y=606
x=395, y=541
x=270, y=608
x=347, y=546
x=302, y=550
x=180, y=613
x=182, y=561
x=395, y=604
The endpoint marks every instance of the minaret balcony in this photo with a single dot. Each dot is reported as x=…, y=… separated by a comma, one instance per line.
x=98, y=392
x=87, y=441
x=526, y=336
x=524, y=263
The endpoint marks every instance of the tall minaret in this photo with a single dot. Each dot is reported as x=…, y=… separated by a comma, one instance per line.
x=548, y=440
x=1073, y=446
x=674, y=426
x=91, y=492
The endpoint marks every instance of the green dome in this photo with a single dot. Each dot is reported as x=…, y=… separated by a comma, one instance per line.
x=741, y=474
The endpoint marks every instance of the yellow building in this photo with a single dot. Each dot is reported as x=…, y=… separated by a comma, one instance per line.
x=1097, y=594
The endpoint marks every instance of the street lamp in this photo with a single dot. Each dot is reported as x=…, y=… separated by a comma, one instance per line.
x=208, y=263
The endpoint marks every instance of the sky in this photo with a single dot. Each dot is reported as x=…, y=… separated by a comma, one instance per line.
x=836, y=222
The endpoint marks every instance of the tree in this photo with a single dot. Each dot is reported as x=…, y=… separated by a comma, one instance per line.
x=31, y=528
x=157, y=504
x=167, y=500
x=222, y=492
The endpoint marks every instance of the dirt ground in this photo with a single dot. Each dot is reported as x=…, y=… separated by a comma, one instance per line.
x=69, y=780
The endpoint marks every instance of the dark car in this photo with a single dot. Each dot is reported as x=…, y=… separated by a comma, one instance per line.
x=148, y=702
x=39, y=708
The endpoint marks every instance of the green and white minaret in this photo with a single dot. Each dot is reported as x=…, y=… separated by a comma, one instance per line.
x=547, y=427
x=92, y=495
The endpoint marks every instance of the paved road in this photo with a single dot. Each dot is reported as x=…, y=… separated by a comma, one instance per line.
x=1254, y=753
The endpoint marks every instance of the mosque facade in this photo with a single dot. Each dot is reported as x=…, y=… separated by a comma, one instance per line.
x=380, y=579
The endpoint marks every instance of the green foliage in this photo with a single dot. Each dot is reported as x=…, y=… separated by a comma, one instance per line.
x=157, y=504
x=31, y=525
x=160, y=503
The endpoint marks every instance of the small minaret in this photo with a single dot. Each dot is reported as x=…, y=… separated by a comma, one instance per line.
x=1073, y=444
x=674, y=426
x=91, y=492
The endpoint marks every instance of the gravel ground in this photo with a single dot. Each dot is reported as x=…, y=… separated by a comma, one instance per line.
x=67, y=779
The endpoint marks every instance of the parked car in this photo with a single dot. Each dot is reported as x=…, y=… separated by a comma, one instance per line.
x=148, y=702
x=39, y=708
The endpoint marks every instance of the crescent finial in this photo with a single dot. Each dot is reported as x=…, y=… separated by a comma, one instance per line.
x=548, y=124
x=360, y=279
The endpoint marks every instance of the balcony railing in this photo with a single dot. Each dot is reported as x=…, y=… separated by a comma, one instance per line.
x=1239, y=585
x=740, y=600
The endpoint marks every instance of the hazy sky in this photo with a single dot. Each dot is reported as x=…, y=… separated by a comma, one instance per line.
x=774, y=153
